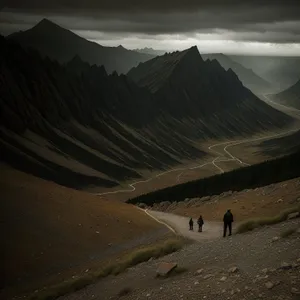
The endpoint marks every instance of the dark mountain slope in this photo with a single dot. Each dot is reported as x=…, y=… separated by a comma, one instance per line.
x=62, y=45
x=250, y=80
x=187, y=87
x=290, y=96
x=78, y=130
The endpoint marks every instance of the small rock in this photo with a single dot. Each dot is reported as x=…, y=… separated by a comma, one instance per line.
x=198, y=272
x=265, y=271
x=223, y=278
x=161, y=288
x=286, y=266
x=208, y=276
x=293, y=215
x=269, y=285
x=295, y=291
x=148, y=295
x=196, y=282
x=232, y=293
x=233, y=270
x=279, y=201
x=272, y=270
x=223, y=291
x=275, y=239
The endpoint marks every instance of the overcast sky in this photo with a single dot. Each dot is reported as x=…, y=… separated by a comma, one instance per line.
x=228, y=26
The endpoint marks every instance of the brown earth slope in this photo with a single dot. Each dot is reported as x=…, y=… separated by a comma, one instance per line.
x=50, y=231
x=261, y=202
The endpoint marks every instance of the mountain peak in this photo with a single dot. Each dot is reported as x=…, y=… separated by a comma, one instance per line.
x=45, y=23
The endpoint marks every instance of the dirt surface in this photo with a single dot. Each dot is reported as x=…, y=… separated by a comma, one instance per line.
x=52, y=233
x=211, y=230
x=258, y=257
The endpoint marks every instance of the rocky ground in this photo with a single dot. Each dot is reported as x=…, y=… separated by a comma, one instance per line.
x=257, y=265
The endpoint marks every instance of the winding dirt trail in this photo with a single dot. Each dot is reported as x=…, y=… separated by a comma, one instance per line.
x=179, y=224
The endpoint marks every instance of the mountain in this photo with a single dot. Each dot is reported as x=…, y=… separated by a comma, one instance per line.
x=250, y=80
x=78, y=126
x=289, y=97
x=280, y=71
x=188, y=87
x=62, y=44
x=150, y=51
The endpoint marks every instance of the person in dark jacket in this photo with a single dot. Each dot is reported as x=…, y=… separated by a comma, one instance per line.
x=200, y=223
x=227, y=219
x=191, y=223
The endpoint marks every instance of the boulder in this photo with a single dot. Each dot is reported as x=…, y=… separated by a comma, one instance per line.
x=165, y=268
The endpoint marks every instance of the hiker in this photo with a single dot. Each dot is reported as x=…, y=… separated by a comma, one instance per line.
x=227, y=219
x=191, y=223
x=200, y=223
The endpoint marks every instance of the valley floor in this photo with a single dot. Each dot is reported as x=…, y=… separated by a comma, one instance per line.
x=222, y=156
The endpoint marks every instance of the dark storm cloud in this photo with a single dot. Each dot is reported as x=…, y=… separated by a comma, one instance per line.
x=268, y=21
x=142, y=5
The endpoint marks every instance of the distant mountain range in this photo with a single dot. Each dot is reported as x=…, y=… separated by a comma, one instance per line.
x=281, y=72
x=62, y=45
x=150, y=51
x=251, y=80
x=80, y=127
x=289, y=97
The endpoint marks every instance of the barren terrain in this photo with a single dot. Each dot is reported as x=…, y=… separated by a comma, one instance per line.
x=256, y=265
x=52, y=232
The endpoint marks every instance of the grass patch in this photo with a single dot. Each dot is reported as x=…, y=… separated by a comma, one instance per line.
x=131, y=259
x=125, y=291
x=288, y=232
x=251, y=224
